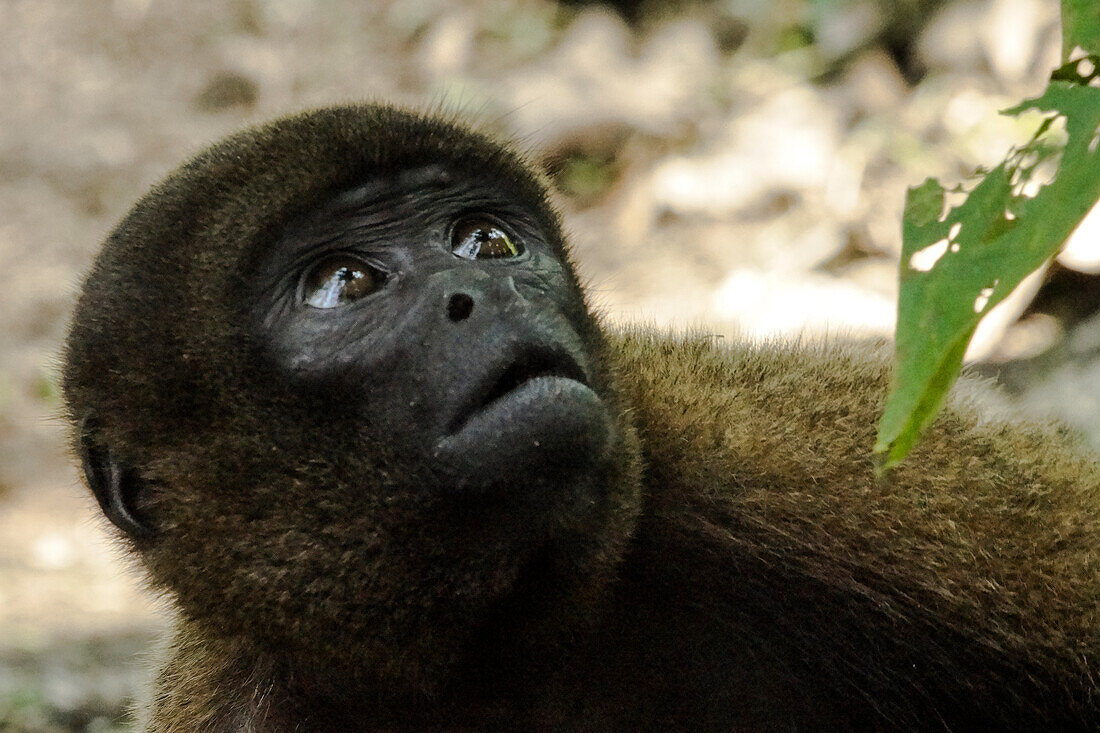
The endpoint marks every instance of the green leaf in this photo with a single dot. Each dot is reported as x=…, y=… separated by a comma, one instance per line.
x=957, y=264
x=1080, y=27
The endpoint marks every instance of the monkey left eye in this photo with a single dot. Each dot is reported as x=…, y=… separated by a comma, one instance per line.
x=480, y=239
x=338, y=279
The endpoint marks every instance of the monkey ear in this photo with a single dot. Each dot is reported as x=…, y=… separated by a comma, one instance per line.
x=116, y=486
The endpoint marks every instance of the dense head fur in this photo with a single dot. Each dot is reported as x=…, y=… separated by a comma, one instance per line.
x=278, y=511
x=667, y=534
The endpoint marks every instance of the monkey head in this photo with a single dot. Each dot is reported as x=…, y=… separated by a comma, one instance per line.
x=336, y=383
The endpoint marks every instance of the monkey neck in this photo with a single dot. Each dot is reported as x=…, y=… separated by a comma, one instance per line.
x=495, y=666
x=493, y=670
x=211, y=682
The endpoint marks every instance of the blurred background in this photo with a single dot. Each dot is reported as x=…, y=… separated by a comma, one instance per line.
x=734, y=165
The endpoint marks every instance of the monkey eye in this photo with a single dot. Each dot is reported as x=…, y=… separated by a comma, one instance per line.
x=340, y=279
x=480, y=239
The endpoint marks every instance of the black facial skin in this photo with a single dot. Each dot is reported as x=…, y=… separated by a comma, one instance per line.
x=474, y=366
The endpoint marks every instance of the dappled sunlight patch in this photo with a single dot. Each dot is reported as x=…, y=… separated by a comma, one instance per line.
x=984, y=295
x=925, y=259
x=1035, y=165
x=953, y=198
x=1082, y=250
x=769, y=304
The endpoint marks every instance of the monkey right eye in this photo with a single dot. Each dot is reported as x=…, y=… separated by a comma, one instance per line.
x=339, y=279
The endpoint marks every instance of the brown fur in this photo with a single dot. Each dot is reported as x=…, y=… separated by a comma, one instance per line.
x=743, y=569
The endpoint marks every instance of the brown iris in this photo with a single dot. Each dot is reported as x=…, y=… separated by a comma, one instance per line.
x=339, y=279
x=480, y=239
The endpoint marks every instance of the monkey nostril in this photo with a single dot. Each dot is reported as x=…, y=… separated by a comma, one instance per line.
x=459, y=307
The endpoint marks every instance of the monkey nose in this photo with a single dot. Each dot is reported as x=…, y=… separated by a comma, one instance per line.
x=500, y=293
x=459, y=307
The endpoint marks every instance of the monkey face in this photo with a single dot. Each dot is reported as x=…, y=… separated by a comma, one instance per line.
x=337, y=383
x=431, y=308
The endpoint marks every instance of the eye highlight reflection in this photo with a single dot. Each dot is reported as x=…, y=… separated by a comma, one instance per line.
x=339, y=279
x=480, y=239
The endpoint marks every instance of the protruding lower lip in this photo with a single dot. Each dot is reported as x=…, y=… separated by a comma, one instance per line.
x=529, y=365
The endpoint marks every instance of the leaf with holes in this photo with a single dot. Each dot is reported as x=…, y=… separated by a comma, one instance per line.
x=957, y=263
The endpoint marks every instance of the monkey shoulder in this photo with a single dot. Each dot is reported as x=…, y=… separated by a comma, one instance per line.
x=973, y=564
